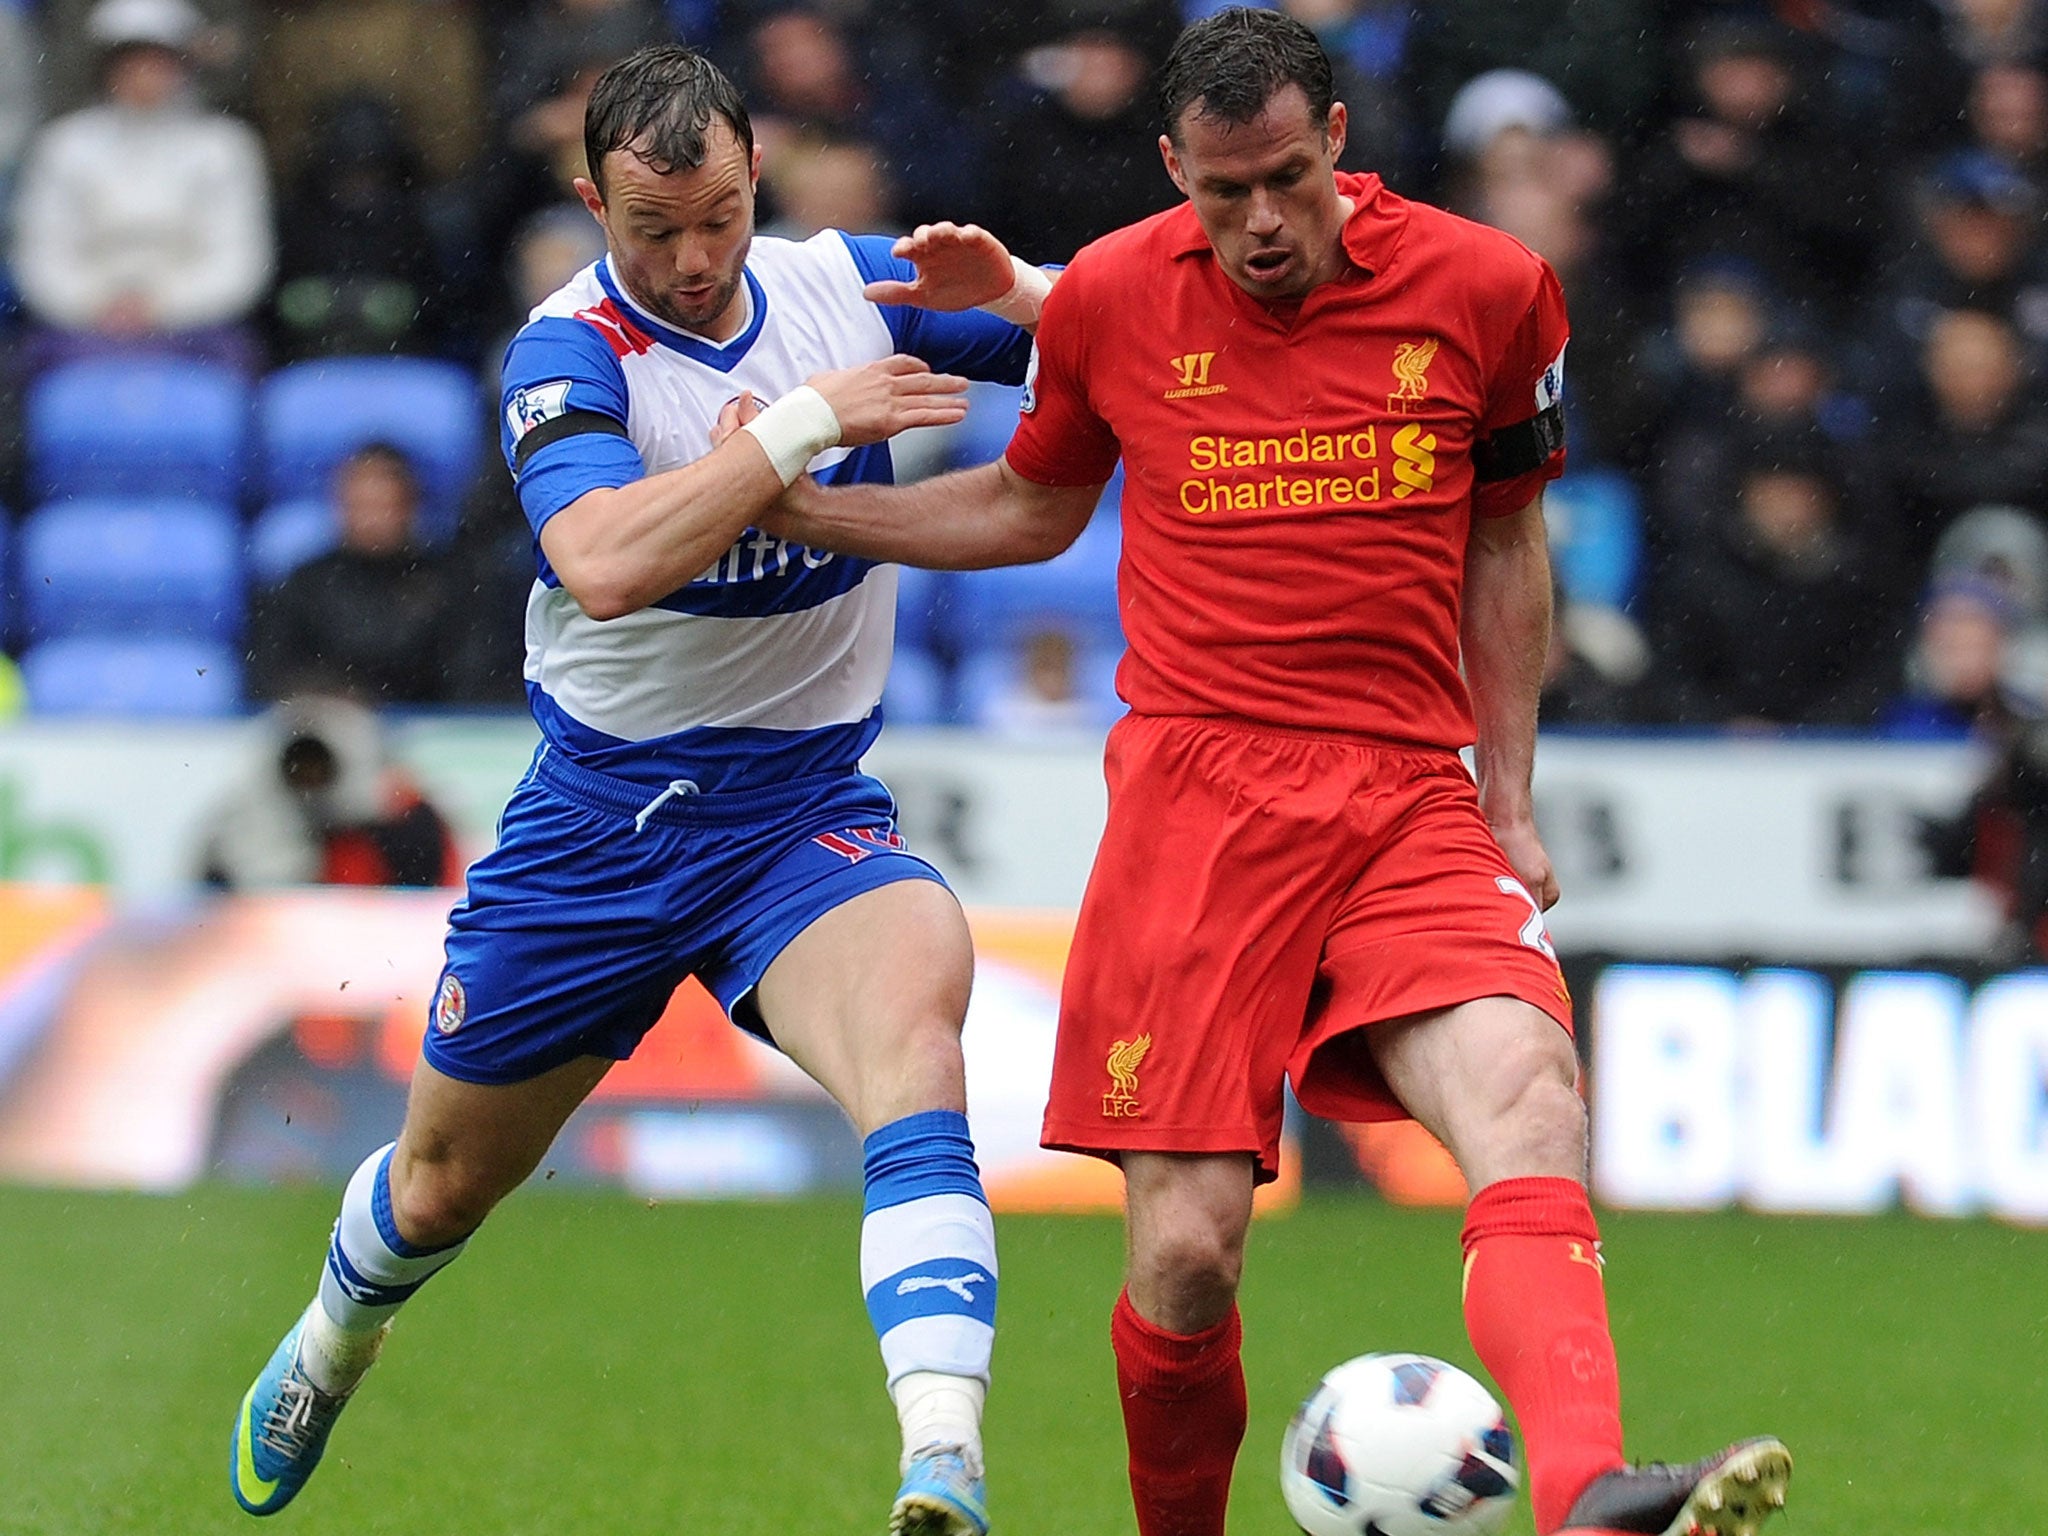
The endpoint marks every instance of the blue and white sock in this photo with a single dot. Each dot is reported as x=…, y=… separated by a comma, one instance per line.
x=371, y=1272
x=928, y=1266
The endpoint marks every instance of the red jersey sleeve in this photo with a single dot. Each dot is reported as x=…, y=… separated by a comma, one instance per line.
x=1060, y=440
x=1521, y=440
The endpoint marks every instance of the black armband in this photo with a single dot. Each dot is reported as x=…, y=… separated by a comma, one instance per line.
x=1518, y=449
x=555, y=428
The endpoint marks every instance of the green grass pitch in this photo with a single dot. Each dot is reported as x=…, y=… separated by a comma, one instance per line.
x=597, y=1365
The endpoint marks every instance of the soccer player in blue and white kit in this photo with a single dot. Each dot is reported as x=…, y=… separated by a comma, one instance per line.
x=705, y=692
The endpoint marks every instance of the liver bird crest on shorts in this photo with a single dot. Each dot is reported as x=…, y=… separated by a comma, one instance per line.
x=1411, y=373
x=1121, y=1102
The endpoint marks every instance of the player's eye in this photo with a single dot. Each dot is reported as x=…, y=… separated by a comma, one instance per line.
x=717, y=226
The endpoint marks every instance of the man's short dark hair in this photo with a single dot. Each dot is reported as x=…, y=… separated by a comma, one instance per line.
x=1228, y=66
x=659, y=102
x=386, y=456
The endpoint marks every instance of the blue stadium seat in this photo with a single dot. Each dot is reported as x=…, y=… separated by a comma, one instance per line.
x=138, y=427
x=311, y=415
x=1595, y=520
x=131, y=567
x=285, y=536
x=916, y=691
x=167, y=676
x=1075, y=590
x=991, y=419
x=8, y=584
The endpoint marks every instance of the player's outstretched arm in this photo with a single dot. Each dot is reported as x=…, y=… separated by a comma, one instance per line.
x=963, y=266
x=619, y=549
x=1505, y=631
x=969, y=520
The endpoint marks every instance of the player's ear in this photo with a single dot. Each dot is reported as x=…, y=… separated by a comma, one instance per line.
x=1334, y=130
x=754, y=170
x=1172, y=160
x=592, y=198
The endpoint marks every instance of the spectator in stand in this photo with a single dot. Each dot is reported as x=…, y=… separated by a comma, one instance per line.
x=1773, y=622
x=1974, y=432
x=1692, y=369
x=1046, y=696
x=810, y=79
x=1517, y=163
x=356, y=268
x=1976, y=244
x=831, y=183
x=218, y=53
x=424, y=59
x=1077, y=157
x=1785, y=386
x=1952, y=668
x=1751, y=170
x=2007, y=114
x=325, y=806
x=371, y=618
x=20, y=104
x=144, y=219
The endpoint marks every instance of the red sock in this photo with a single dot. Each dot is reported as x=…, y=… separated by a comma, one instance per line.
x=1184, y=1416
x=1537, y=1312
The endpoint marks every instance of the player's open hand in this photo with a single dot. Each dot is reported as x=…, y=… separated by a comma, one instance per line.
x=958, y=267
x=734, y=414
x=1527, y=858
x=880, y=399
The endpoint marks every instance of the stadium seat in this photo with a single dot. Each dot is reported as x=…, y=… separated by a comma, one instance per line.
x=285, y=536
x=916, y=691
x=991, y=418
x=1595, y=520
x=131, y=567
x=311, y=415
x=1075, y=590
x=9, y=604
x=166, y=676
x=138, y=427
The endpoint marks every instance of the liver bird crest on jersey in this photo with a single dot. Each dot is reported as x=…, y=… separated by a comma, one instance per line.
x=1411, y=373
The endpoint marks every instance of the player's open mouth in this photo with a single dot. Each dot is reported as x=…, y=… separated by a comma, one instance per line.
x=1267, y=265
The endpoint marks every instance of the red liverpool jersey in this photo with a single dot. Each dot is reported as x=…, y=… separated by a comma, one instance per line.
x=1299, y=487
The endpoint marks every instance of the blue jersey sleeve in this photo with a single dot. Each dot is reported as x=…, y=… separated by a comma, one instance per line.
x=973, y=343
x=562, y=417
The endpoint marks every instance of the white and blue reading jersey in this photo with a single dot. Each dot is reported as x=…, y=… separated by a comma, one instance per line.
x=769, y=666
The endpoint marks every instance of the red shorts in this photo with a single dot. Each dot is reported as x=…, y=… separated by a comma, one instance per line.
x=1259, y=897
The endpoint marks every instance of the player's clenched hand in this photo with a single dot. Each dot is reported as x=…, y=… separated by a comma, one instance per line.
x=734, y=414
x=958, y=266
x=1526, y=857
x=880, y=399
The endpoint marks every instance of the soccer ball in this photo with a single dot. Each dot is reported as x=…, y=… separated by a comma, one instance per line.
x=1398, y=1445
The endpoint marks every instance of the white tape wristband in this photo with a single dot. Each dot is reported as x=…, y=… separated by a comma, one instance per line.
x=795, y=430
x=1020, y=306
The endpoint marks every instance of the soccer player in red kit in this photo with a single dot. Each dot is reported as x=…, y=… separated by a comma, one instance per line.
x=1337, y=410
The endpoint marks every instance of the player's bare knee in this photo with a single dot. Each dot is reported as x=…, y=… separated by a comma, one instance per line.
x=435, y=1204
x=1186, y=1277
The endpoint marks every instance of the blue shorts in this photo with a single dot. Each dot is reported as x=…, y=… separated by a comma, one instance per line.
x=579, y=925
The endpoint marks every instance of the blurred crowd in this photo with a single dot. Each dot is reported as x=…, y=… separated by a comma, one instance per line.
x=1803, y=245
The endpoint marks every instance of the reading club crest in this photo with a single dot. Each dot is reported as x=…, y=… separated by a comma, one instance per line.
x=451, y=1005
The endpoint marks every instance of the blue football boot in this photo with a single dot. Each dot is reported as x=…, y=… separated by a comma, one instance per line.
x=280, y=1432
x=942, y=1495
